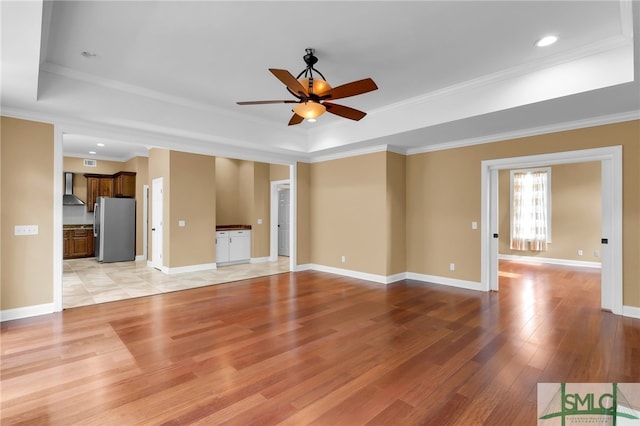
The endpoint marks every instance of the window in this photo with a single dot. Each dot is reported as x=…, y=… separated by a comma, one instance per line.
x=531, y=209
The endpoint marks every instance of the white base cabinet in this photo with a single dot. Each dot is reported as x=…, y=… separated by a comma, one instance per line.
x=233, y=246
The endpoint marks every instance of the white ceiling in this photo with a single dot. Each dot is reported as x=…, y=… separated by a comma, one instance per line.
x=168, y=74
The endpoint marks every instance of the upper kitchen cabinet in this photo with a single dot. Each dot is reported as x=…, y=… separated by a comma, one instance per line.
x=98, y=186
x=125, y=184
x=122, y=184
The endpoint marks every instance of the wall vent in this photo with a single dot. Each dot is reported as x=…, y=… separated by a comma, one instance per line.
x=90, y=163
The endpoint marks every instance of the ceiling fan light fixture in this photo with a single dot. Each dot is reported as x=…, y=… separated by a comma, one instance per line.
x=319, y=87
x=309, y=109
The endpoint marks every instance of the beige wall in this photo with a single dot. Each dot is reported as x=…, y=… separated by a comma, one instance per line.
x=396, y=214
x=189, y=194
x=278, y=172
x=443, y=198
x=140, y=165
x=575, y=216
x=227, y=191
x=193, y=200
x=260, y=234
x=27, y=188
x=245, y=193
x=349, y=213
x=303, y=213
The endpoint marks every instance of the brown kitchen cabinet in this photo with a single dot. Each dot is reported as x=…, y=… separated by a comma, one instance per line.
x=78, y=242
x=67, y=239
x=122, y=184
x=125, y=184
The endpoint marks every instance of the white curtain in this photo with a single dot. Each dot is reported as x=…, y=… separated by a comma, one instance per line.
x=529, y=211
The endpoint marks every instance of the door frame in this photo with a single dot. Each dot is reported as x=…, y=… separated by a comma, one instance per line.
x=611, y=254
x=145, y=222
x=273, y=234
x=154, y=204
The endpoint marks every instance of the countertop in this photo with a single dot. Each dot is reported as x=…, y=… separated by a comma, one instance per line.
x=77, y=226
x=232, y=227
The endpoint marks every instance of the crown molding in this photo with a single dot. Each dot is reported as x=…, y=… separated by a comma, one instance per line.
x=178, y=141
x=263, y=156
x=348, y=153
x=534, y=131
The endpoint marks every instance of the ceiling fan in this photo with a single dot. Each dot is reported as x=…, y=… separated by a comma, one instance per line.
x=314, y=94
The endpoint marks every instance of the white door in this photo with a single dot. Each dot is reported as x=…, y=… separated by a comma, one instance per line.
x=493, y=229
x=283, y=222
x=156, y=223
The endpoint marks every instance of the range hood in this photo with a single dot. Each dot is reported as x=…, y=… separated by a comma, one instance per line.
x=68, y=199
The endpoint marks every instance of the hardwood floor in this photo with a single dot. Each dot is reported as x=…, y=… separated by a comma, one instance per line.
x=316, y=348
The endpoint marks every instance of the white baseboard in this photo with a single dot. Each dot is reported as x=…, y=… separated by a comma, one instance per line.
x=396, y=277
x=26, y=312
x=451, y=282
x=304, y=267
x=382, y=279
x=190, y=268
x=161, y=269
x=388, y=279
x=551, y=261
x=140, y=258
x=260, y=259
x=631, y=311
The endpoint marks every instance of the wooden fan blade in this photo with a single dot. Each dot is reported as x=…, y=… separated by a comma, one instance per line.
x=351, y=89
x=290, y=81
x=295, y=119
x=343, y=111
x=266, y=102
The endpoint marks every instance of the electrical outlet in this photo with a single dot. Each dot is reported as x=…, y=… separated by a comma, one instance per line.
x=181, y=223
x=259, y=221
x=343, y=259
x=596, y=253
x=580, y=253
x=452, y=266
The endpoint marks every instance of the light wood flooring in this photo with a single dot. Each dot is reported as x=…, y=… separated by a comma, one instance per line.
x=316, y=348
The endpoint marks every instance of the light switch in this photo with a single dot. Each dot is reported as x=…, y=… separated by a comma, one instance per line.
x=181, y=223
x=259, y=221
x=25, y=230
x=474, y=225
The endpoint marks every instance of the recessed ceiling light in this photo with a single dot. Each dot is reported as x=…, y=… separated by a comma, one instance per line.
x=100, y=144
x=92, y=152
x=547, y=41
x=88, y=54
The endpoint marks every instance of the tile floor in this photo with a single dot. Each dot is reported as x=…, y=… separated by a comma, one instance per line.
x=87, y=282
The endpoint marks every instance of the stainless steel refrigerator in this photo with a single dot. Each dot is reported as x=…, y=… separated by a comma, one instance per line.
x=114, y=228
